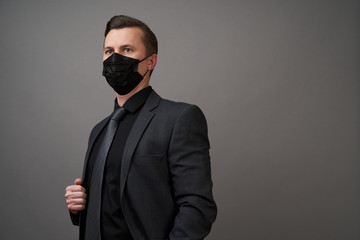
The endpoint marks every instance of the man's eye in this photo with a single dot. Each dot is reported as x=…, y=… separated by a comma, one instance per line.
x=127, y=50
x=109, y=51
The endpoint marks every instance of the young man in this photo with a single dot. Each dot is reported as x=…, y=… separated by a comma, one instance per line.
x=147, y=168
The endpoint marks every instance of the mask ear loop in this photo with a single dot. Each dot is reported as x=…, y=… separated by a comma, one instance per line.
x=146, y=70
x=144, y=59
x=145, y=73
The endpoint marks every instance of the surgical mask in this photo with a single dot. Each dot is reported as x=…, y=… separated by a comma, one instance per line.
x=121, y=73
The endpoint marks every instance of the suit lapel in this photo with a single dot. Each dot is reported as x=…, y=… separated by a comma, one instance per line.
x=144, y=118
x=93, y=136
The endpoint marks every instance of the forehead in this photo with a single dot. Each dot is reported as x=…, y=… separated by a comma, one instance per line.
x=124, y=36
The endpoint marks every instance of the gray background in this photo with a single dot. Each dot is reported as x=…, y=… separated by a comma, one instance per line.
x=277, y=80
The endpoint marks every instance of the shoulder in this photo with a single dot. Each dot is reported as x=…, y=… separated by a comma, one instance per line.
x=172, y=108
x=170, y=105
x=181, y=112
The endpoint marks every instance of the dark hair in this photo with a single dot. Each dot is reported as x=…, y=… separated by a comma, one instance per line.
x=122, y=21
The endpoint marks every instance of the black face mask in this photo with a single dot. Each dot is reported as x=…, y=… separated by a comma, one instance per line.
x=121, y=73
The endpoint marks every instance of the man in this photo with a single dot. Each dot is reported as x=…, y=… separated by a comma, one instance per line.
x=147, y=168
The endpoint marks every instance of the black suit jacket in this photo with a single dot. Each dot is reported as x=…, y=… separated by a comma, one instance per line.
x=166, y=187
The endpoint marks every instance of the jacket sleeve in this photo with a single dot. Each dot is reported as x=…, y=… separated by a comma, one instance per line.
x=189, y=164
x=74, y=218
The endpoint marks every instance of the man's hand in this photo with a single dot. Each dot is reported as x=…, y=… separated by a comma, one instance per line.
x=75, y=197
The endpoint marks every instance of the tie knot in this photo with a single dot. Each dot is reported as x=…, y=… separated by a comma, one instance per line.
x=118, y=114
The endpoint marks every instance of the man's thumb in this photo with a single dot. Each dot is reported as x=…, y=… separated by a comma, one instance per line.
x=78, y=181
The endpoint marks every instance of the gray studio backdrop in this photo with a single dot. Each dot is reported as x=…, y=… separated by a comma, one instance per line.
x=277, y=80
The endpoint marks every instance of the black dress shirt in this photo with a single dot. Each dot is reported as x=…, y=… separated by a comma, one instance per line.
x=113, y=224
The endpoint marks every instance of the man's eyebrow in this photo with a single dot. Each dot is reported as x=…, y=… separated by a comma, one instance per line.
x=127, y=45
x=122, y=46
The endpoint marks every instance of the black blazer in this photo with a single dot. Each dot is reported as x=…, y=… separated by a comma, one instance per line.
x=166, y=187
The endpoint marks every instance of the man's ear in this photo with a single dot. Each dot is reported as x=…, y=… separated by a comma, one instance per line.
x=152, y=62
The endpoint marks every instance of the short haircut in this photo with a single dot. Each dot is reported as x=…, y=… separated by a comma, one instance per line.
x=122, y=21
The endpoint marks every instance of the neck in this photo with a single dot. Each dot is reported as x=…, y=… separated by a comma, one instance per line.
x=121, y=99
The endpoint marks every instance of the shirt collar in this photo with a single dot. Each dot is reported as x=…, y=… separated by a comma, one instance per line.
x=136, y=101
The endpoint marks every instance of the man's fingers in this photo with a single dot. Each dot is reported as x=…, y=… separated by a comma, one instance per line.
x=75, y=196
x=76, y=207
x=74, y=212
x=76, y=201
x=75, y=188
x=72, y=195
x=78, y=181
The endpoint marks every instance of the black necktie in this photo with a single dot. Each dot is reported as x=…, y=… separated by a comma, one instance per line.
x=92, y=229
